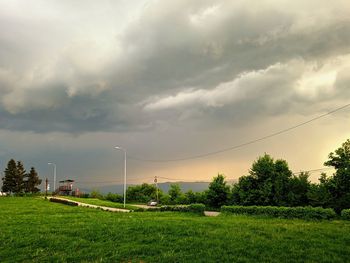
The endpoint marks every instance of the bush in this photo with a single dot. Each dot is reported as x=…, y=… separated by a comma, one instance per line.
x=197, y=208
x=193, y=208
x=345, y=214
x=282, y=212
x=61, y=201
x=114, y=198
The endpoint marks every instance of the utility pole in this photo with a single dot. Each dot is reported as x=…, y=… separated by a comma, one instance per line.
x=156, y=182
x=46, y=185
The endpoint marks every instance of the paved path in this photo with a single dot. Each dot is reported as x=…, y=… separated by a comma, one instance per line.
x=105, y=208
x=112, y=209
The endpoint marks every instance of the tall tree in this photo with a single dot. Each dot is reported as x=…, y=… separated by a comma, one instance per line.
x=19, y=178
x=268, y=183
x=32, y=181
x=218, y=192
x=340, y=160
x=9, y=182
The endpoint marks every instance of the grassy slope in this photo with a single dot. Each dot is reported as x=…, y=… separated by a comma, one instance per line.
x=37, y=230
x=95, y=201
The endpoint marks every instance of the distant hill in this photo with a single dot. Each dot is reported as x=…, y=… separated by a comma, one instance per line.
x=185, y=186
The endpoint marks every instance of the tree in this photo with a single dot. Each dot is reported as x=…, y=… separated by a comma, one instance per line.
x=32, y=181
x=8, y=182
x=19, y=178
x=321, y=194
x=142, y=193
x=174, y=193
x=299, y=188
x=268, y=183
x=218, y=192
x=190, y=197
x=340, y=160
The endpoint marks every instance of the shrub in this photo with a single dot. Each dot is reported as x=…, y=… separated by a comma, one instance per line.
x=345, y=214
x=193, y=208
x=62, y=201
x=197, y=208
x=96, y=194
x=114, y=198
x=282, y=212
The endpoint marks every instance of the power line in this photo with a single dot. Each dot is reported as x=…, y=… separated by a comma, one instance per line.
x=185, y=180
x=240, y=145
x=315, y=170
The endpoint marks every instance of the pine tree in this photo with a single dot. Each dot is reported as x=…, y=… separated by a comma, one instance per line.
x=32, y=181
x=9, y=182
x=19, y=178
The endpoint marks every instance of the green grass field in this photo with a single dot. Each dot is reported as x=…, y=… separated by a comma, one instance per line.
x=33, y=229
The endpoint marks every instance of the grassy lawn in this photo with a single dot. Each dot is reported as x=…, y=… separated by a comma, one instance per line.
x=95, y=201
x=32, y=229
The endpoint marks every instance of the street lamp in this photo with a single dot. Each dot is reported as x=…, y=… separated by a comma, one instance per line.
x=54, y=175
x=122, y=149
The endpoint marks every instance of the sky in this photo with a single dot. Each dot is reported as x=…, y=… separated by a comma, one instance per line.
x=169, y=80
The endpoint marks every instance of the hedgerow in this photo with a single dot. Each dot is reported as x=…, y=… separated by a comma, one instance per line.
x=192, y=208
x=282, y=212
x=345, y=214
x=62, y=201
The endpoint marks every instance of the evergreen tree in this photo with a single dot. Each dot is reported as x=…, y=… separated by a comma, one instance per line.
x=32, y=181
x=9, y=182
x=19, y=178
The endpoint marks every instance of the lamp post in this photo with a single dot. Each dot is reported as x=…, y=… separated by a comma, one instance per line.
x=122, y=149
x=54, y=175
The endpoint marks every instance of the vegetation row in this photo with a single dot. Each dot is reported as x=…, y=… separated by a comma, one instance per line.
x=269, y=183
x=282, y=212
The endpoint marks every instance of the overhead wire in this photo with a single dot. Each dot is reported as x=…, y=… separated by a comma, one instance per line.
x=234, y=147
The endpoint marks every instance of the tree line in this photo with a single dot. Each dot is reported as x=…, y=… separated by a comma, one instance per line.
x=269, y=183
x=17, y=181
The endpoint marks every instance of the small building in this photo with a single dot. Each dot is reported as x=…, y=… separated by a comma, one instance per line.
x=65, y=187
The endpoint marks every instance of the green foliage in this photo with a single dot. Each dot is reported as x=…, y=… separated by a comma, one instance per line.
x=61, y=201
x=96, y=194
x=19, y=178
x=17, y=181
x=142, y=193
x=175, y=193
x=165, y=199
x=320, y=194
x=190, y=197
x=282, y=212
x=299, y=187
x=339, y=184
x=193, y=208
x=114, y=197
x=9, y=181
x=345, y=214
x=32, y=181
x=218, y=192
x=271, y=183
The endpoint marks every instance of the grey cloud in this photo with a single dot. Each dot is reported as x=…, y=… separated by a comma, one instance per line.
x=55, y=78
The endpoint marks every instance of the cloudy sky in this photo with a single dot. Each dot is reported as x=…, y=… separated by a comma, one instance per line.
x=169, y=80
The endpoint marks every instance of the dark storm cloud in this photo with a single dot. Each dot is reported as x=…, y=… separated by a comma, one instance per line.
x=178, y=61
